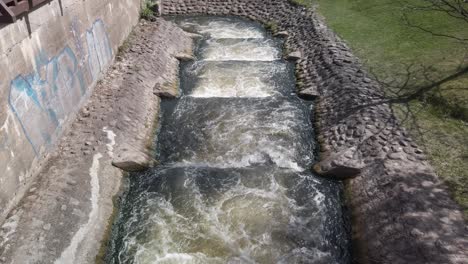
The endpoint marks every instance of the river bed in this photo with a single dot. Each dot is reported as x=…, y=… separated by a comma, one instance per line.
x=234, y=184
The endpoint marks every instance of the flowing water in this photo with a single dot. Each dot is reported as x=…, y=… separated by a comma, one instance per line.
x=233, y=185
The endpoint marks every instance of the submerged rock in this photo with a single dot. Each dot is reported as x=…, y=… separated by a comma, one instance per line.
x=184, y=57
x=342, y=165
x=132, y=161
x=167, y=90
x=281, y=34
x=194, y=35
x=309, y=93
x=294, y=56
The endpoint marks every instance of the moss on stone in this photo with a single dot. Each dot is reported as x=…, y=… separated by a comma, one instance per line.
x=306, y=3
x=271, y=26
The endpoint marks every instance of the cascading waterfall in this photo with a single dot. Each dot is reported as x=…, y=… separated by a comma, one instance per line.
x=233, y=185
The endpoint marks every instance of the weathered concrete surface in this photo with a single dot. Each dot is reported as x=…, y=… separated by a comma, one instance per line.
x=402, y=213
x=64, y=217
x=49, y=64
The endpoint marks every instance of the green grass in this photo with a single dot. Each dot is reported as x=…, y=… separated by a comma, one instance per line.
x=377, y=33
x=148, y=11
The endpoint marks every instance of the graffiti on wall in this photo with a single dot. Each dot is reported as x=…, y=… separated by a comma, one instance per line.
x=9, y=127
x=99, y=49
x=43, y=99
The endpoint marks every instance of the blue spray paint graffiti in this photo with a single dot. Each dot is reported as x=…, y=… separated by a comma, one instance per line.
x=42, y=100
x=99, y=49
x=75, y=30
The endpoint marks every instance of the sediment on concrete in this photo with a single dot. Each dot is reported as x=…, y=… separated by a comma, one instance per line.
x=65, y=215
x=402, y=213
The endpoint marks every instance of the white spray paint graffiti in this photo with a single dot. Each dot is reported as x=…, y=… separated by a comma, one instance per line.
x=9, y=127
x=8, y=229
x=110, y=146
x=11, y=136
x=68, y=256
x=99, y=49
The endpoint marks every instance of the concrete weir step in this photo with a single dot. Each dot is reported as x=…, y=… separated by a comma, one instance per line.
x=65, y=216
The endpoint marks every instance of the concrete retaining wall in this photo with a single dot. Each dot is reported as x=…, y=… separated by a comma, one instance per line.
x=50, y=61
x=402, y=213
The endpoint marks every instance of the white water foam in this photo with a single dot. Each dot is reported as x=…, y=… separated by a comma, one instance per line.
x=237, y=86
x=247, y=222
x=233, y=134
x=237, y=80
x=219, y=29
x=241, y=50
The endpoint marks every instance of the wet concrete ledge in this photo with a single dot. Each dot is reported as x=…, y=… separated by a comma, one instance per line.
x=65, y=216
x=402, y=213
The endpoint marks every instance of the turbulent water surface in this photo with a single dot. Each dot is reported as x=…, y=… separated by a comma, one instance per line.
x=233, y=185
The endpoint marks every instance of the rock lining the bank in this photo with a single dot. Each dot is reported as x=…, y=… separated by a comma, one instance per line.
x=66, y=215
x=402, y=213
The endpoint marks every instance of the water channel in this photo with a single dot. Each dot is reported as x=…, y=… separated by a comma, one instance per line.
x=234, y=184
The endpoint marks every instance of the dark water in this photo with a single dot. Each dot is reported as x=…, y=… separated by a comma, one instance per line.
x=235, y=149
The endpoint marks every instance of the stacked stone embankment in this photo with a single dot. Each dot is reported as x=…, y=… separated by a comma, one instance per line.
x=401, y=211
x=66, y=215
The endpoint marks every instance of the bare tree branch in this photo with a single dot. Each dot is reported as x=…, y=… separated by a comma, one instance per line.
x=410, y=24
x=457, y=9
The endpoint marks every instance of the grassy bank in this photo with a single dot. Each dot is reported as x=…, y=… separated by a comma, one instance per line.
x=379, y=34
